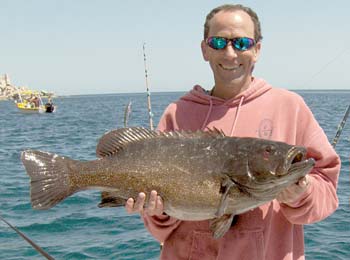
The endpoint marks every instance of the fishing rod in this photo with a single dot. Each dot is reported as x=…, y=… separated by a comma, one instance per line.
x=35, y=246
x=342, y=123
x=340, y=54
x=340, y=127
x=150, y=114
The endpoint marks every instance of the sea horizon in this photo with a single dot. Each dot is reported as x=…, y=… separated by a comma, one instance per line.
x=184, y=91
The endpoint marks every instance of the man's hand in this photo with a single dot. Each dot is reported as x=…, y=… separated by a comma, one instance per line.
x=154, y=206
x=293, y=192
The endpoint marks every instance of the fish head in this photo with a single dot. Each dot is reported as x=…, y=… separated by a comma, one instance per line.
x=269, y=166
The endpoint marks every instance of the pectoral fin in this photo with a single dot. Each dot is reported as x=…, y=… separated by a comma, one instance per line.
x=219, y=226
x=226, y=184
x=111, y=199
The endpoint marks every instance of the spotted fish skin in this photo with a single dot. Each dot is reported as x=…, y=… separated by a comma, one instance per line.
x=199, y=175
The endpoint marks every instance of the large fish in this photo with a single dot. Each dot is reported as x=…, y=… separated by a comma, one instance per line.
x=199, y=175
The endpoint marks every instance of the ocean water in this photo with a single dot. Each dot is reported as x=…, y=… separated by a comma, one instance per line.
x=76, y=228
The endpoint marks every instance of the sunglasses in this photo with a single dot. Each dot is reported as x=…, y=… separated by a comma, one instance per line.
x=239, y=44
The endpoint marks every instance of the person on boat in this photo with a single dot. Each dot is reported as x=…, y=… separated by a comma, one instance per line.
x=49, y=107
x=243, y=105
x=34, y=101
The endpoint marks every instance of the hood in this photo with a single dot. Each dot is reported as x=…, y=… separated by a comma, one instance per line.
x=198, y=95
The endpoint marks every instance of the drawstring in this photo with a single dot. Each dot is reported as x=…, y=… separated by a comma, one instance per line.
x=237, y=114
x=208, y=114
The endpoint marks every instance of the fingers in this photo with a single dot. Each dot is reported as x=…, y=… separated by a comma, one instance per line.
x=293, y=192
x=154, y=206
x=129, y=205
x=152, y=203
x=304, y=182
x=135, y=207
x=140, y=202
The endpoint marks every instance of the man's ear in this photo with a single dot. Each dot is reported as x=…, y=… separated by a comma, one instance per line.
x=204, y=48
x=257, y=49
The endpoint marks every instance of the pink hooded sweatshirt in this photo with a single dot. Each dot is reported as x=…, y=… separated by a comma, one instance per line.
x=273, y=230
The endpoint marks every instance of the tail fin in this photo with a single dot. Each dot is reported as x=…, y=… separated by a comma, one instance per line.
x=49, y=175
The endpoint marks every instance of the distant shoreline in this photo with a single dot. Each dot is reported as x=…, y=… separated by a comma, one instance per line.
x=184, y=91
x=179, y=92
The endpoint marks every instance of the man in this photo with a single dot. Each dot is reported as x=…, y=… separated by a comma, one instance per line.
x=242, y=105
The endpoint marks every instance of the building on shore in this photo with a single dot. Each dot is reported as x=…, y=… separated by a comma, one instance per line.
x=6, y=88
x=10, y=91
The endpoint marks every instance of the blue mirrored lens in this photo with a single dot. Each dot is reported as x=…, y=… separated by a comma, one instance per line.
x=243, y=43
x=217, y=43
x=240, y=44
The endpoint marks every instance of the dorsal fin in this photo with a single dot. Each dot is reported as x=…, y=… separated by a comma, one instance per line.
x=215, y=132
x=116, y=140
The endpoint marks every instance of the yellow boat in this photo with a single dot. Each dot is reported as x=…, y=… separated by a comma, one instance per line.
x=26, y=106
x=30, y=101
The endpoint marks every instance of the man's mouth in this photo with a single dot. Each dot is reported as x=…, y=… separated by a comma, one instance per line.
x=230, y=68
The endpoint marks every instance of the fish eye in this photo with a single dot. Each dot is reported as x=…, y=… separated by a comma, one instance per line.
x=268, y=149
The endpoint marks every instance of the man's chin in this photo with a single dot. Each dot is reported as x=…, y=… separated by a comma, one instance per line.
x=237, y=81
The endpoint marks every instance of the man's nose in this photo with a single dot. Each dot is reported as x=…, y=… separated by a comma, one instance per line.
x=230, y=51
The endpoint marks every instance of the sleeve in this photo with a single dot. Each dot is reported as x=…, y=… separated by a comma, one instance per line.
x=320, y=200
x=162, y=226
x=166, y=122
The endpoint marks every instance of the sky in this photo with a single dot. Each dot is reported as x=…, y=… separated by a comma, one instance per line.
x=96, y=46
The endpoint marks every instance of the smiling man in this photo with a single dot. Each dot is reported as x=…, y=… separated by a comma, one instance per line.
x=242, y=105
x=231, y=48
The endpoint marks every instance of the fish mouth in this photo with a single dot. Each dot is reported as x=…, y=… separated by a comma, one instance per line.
x=297, y=162
x=303, y=167
x=298, y=169
x=296, y=155
x=295, y=167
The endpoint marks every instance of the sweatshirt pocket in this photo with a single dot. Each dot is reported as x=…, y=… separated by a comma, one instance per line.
x=204, y=246
x=236, y=244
